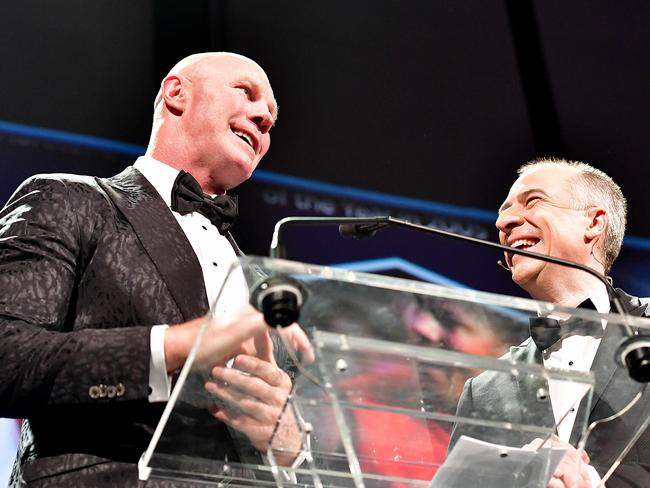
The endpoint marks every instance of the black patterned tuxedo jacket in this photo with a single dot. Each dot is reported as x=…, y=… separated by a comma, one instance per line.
x=87, y=266
x=504, y=397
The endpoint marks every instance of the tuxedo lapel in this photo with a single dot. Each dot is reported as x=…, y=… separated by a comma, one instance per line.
x=613, y=388
x=606, y=370
x=234, y=245
x=540, y=410
x=162, y=238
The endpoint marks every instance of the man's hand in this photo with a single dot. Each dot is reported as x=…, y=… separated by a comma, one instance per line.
x=251, y=396
x=232, y=335
x=572, y=472
x=296, y=339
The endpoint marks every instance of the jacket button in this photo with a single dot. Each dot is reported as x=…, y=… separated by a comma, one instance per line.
x=111, y=391
x=120, y=389
x=93, y=392
x=102, y=391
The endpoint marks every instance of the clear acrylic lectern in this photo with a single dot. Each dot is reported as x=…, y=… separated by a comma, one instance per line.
x=379, y=405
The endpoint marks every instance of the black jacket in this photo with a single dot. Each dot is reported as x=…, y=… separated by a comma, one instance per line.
x=491, y=395
x=87, y=267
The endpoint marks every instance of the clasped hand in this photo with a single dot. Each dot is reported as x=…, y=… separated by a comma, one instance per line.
x=572, y=471
x=250, y=396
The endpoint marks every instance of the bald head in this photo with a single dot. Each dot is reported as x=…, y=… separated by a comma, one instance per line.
x=212, y=118
x=198, y=66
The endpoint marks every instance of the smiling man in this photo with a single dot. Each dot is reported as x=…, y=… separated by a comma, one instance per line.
x=93, y=270
x=566, y=210
x=574, y=211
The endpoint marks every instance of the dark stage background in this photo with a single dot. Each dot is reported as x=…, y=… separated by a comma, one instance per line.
x=437, y=102
x=422, y=109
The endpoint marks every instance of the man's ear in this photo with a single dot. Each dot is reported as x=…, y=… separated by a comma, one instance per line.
x=174, y=94
x=596, y=224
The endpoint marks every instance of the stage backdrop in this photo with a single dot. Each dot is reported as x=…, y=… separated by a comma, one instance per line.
x=270, y=196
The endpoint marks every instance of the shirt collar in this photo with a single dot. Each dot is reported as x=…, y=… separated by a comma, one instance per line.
x=600, y=298
x=160, y=175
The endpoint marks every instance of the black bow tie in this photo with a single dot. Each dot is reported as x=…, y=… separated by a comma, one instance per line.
x=187, y=197
x=546, y=331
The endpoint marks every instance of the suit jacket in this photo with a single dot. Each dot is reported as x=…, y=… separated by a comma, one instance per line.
x=508, y=398
x=87, y=266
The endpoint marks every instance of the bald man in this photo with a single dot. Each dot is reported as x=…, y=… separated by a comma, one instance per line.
x=94, y=273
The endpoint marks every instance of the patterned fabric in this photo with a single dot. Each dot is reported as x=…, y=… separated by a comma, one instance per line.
x=84, y=274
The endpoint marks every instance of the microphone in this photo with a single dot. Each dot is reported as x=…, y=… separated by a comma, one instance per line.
x=281, y=298
x=355, y=227
x=360, y=231
x=633, y=353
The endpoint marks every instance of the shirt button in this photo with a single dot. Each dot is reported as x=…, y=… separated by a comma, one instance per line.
x=570, y=363
x=204, y=227
x=214, y=264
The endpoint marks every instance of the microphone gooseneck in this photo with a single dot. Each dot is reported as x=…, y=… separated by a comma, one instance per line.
x=633, y=353
x=355, y=227
x=281, y=298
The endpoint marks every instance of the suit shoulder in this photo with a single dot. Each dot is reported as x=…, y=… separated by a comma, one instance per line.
x=55, y=183
x=58, y=185
x=56, y=197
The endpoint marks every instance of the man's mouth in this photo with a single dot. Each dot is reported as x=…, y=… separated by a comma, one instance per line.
x=524, y=243
x=245, y=137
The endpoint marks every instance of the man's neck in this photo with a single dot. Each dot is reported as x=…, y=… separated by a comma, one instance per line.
x=568, y=289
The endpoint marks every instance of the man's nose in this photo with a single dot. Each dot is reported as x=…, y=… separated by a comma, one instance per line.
x=508, y=219
x=262, y=118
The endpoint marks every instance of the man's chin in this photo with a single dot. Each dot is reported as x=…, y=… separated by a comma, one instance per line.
x=244, y=170
x=522, y=276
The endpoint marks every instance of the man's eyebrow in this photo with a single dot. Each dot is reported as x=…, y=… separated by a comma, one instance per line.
x=520, y=196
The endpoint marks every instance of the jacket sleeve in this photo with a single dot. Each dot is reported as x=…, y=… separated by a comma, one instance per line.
x=44, y=359
x=463, y=410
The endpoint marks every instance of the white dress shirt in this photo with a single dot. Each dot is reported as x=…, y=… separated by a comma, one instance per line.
x=576, y=353
x=216, y=256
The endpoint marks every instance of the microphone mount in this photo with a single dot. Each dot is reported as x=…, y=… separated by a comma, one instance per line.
x=368, y=227
x=633, y=353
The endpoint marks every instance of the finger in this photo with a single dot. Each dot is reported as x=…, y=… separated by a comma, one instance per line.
x=573, y=473
x=220, y=403
x=235, y=404
x=264, y=370
x=259, y=434
x=584, y=456
x=296, y=338
x=264, y=347
x=227, y=336
x=534, y=444
x=252, y=386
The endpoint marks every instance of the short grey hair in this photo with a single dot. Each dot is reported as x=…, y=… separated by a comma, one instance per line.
x=594, y=187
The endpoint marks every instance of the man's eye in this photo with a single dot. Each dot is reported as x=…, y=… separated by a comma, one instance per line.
x=532, y=201
x=245, y=90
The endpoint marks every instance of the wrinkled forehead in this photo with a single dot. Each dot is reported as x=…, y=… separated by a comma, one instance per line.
x=546, y=180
